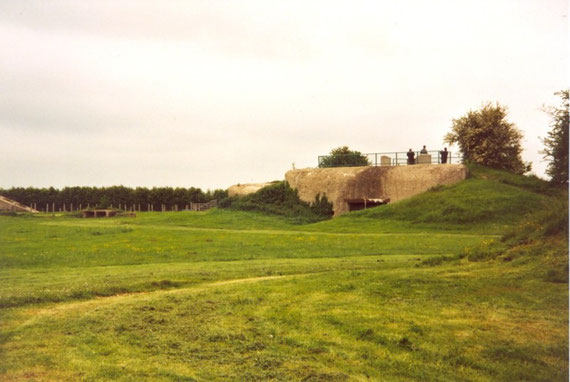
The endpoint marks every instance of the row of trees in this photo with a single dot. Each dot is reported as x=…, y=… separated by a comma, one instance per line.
x=486, y=137
x=106, y=196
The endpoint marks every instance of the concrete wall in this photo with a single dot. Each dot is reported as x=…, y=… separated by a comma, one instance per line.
x=245, y=189
x=396, y=183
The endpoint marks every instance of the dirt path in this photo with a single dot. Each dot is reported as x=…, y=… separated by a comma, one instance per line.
x=265, y=231
x=60, y=309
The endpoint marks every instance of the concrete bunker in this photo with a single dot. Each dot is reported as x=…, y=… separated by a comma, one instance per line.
x=348, y=187
x=98, y=213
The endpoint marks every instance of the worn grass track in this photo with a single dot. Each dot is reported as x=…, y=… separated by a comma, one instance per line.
x=392, y=294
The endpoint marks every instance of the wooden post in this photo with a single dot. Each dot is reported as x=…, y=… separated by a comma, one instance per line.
x=53, y=207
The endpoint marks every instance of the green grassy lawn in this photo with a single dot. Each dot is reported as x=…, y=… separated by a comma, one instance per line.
x=381, y=294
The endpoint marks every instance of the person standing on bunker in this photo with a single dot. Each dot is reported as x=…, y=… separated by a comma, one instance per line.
x=424, y=150
x=411, y=157
x=444, y=155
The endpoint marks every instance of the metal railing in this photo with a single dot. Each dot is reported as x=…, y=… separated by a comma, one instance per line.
x=385, y=159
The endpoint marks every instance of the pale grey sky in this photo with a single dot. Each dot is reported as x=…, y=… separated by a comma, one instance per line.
x=213, y=93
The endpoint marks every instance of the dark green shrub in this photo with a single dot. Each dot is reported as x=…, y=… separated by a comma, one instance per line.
x=227, y=201
x=321, y=206
x=280, y=199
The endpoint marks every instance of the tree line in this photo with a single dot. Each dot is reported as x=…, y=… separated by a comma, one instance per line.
x=116, y=196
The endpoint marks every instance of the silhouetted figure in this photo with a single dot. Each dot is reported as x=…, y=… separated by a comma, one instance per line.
x=411, y=157
x=424, y=150
x=444, y=155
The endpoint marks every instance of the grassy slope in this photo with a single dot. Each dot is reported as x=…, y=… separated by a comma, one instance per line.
x=489, y=201
x=234, y=295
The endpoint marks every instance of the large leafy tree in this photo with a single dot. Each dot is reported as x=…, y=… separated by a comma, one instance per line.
x=556, y=143
x=343, y=157
x=485, y=137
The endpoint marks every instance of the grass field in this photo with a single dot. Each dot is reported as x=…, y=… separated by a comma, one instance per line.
x=391, y=293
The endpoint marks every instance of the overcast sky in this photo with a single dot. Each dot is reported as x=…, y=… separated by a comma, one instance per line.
x=213, y=93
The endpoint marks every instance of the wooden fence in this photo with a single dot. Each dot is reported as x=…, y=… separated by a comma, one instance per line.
x=51, y=207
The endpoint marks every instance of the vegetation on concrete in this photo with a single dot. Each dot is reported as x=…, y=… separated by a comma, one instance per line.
x=380, y=294
x=556, y=142
x=282, y=200
x=485, y=137
x=343, y=157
